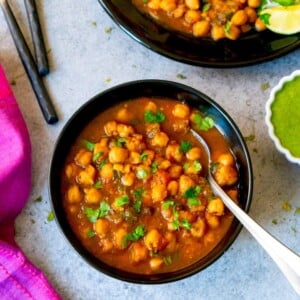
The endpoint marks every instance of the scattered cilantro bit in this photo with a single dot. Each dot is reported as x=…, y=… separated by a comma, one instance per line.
x=227, y=27
x=137, y=206
x=197, y=166
x=186, y=166
x=94, y=24
x=97, y=155
x=265, y=18
x=39, y=199
x=186, y=224
x=94, y=214
x=91, y=233
x=121, y=201
x=141, y=174
x=98, y=184
x=203, y=123
x=193, y=201
x=185, y=146
x=107, y=79
x=167, y=204
x=89, y=145
x=181, y=76
x=120, y=142
x=192, y=192
x=154, y=167
x=145, y=1
x=151, y=117
x=286, y=206
x=249, y=138
x=101, y=164
x=206, y=7
x=214, y=166
x=108, y=30
x=264, y=86
x=167, y=260
x=135, y=235
x=143, y=156
x=138, y=193
x=297, y=210
x=275, y=221
x=50, y=216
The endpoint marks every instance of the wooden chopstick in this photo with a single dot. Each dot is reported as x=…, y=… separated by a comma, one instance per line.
x=37, y=37
x=29, y=65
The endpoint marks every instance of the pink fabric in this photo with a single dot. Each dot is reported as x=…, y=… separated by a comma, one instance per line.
x=19, y=279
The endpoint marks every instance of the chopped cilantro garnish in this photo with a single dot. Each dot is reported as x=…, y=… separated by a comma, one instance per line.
x=167, y=260
x=50, y=216
x=275, y=221
x=91, y=233
x=89, y=145
x=181, y=76
x=94, y=214
x=297, y=210
x=186, y=224
x=249, y=138
x=227, y=27
x=265, y=18
x=143, y=156
x=197, y=166
x=137, y=205
x=141, y=173
x=138, y=193
x=167, y=204
x=192, y=192
x=135, y=235
x=206, y=7
x=203, y=123
x=193, y=201
x=101, y=164
x=214, y=166
x=185, y=146
x=286, y=206
x=264, y=86
x=154, y=167
x=151, y=117
x=39, y=199
x=98, y=184
x=97, y=155
x=120, y=142
x=121, y=201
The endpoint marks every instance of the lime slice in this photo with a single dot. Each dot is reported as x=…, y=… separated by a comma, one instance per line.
x=282, y=19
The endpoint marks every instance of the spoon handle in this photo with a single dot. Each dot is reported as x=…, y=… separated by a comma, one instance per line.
x=287, y=260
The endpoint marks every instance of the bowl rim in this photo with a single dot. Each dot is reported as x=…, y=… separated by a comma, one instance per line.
x=271, y=130
x=156, y=278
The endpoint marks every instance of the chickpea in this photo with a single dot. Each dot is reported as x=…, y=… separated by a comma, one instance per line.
x=254, y=3
x=164, y=164
x=102, y=227
x=128, y=179
x=125, y=130
x=209, y=238
x=124, y=115
x=192, y=4
x=251, y=13
x=156, y=263
x=216, y=207
x=106, y=245
x=175, y=171
x=83, y=158
x=181, y=125
x=172, y=241
x=217, y=32
x=143, y=172
x=212, y=220
x=153, y=4
x=154, y=241
x=151, y=106
x=226, y=159
x=138, y=252
x=172, y=187
x=87, y=176
x=110, y=128
x=233, y=33
x=71, y=170
x=192, y=16
x=107, y=171
x=226, y=175
x=147, y=157
x=92, y=196
x=134, y=158
x=168, y=5
x=185, y=182
x=173, y=152
x=119, y=236
x=192, y=167
x=239, y=18
x=100, y=151
x=179, y=11
x=74, y=195
x=160, y=139
x=260, y=25
x=118, y=155
x=135, y=143
x=201, y=28
x=181, y=111
x=152, y=129
x=158, y=192
x=194, y=153
x=198, y=228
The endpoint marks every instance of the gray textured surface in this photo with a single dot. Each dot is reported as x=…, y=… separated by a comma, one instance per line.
x=85, y=59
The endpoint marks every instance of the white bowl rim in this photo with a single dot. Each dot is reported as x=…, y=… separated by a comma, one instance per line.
x=270, y=126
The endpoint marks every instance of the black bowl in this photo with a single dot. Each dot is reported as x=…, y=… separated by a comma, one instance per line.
x=252, y=48
x=149, y=88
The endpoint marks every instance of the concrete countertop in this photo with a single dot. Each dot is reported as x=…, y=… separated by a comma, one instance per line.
x=88, y=53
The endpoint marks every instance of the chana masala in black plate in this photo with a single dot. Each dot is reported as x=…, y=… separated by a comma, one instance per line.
x=133, y=196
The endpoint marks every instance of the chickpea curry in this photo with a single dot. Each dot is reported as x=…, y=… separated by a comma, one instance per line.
x=134, y=187
x=217, y=19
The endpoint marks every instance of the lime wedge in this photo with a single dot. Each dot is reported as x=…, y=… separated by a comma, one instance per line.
x=282, y=19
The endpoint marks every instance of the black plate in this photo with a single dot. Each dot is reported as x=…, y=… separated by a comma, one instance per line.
x=150, y=88
x=254, y=47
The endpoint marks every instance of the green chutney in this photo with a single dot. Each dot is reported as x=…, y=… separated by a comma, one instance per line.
x=286, y=116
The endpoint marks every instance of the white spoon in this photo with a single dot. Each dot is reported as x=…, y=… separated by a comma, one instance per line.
x=287, y=260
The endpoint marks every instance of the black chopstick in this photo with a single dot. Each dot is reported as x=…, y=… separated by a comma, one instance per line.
x=37, y=37
x=29, y=65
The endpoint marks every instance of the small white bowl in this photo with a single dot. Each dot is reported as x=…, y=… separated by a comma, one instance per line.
x=268, y=117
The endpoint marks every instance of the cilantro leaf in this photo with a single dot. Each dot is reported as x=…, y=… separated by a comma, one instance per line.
x=167, y=204
x=143, y=156
x=93, y=214
x=151, y=117
x=135, y=235
x=265, y=18
x=203, y=123
x=98, y=184
x=185, y=146
x=154, y=167
x=120, y=142
x=91, y=233
x=50, y=216
x=97, y=155
x=192, y=192
x=186, y=224
x=103, y=209
x=141, y=174
x=121, y=201
x=89, y=145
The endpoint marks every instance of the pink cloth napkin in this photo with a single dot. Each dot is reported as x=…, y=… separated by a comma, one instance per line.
x=19, y=279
